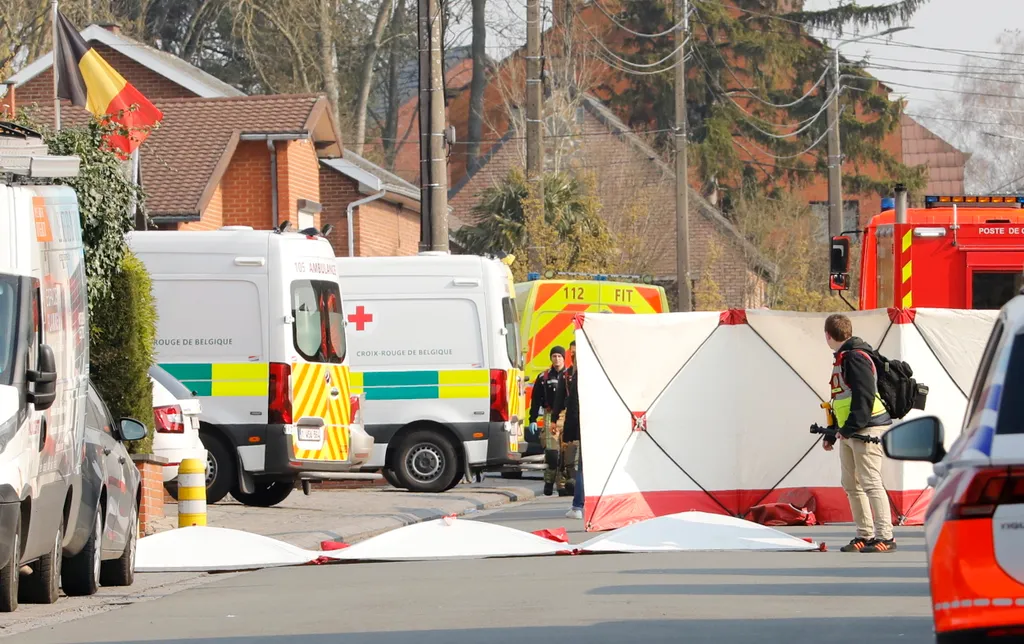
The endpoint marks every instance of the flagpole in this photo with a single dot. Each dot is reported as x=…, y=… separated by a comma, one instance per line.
x=55, y=66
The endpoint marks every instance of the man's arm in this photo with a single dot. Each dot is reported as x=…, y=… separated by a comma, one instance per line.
x=859, y=375
x=537, y=398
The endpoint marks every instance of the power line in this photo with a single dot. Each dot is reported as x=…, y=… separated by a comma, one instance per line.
x=623, y=27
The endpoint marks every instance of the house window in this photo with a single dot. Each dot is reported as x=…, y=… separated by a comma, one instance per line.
x=851, y=217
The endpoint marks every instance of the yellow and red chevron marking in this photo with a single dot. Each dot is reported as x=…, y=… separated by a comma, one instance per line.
x=322, y=390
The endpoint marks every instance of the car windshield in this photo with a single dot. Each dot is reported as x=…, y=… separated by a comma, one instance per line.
x=8, y=327
x=170, y=383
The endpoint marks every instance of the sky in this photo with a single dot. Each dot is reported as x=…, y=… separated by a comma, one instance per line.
x=940, y=24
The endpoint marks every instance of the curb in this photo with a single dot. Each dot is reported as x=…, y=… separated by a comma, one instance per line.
x=514, y=495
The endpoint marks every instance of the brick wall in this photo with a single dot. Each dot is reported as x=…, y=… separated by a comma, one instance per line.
x=152, y=481
x=245, y=189
x=152, y=85
x=298, y=175
x=380, y=227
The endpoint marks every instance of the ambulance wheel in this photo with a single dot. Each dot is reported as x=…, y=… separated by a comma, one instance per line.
x=221, y=472
x=267, y=494
x=426, y=462
x=390, y=477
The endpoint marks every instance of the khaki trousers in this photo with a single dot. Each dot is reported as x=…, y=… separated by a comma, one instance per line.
x=862, y=481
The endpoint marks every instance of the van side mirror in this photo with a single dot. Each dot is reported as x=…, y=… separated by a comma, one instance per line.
x=42, y=391
x=839, y=264
x=132, y=430
x=919, y=439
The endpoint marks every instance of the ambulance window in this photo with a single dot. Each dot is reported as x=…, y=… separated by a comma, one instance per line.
x=515, y=356
x=1011, y=404
x=8, y=326
x=318, y=332
x=990, y=291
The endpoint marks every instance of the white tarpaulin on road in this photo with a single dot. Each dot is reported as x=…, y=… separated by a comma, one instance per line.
x=711, y=411
x=688, y=531
x=209, y=549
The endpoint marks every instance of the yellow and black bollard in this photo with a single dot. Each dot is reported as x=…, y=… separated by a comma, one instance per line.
x=192, y=493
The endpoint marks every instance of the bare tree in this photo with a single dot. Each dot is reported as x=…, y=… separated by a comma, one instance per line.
x=366, y=78
x=986, y=117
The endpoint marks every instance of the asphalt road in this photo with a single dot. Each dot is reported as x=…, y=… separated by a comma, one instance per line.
x=829, y=597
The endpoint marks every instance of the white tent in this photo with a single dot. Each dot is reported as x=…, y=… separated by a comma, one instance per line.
x=710, y=411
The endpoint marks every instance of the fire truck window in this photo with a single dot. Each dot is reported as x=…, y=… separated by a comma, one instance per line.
x=993, y=290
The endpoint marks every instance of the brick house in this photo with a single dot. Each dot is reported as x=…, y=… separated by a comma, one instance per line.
x=223, y=158
x=388, y=220
x=637, y=192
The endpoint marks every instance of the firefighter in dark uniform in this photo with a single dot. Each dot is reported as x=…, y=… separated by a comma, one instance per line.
x=543, y=401
x=567, y=407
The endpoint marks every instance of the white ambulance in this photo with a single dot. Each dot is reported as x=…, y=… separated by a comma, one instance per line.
x=44, y=368
x=251, y=322
x=434, y=341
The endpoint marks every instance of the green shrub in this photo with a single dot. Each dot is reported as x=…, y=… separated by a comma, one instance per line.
x=123, y=337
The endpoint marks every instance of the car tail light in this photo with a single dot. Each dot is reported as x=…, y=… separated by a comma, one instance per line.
x=169, y=419
x=279, y=403
x=989, y=488
x=355, y=413
x=499, y=395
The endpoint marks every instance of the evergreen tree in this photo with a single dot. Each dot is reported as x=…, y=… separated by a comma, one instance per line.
x=748, y=66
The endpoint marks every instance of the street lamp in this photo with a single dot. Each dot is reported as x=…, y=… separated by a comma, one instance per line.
x=835, y=157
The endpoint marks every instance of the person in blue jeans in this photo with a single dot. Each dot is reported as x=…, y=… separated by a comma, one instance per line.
x=567, y=402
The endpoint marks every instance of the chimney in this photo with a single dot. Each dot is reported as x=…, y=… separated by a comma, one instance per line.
x=112, y=27
x=7, y=106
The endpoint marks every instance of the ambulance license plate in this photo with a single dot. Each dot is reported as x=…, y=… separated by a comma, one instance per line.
x=311, y=434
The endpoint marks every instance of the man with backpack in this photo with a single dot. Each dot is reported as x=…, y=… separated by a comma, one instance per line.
x=858, y=408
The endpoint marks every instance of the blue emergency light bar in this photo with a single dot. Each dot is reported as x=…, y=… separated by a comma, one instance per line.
x=597, y=277
x=1013, y=201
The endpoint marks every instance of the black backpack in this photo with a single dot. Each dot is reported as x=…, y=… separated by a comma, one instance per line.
x=897, y=388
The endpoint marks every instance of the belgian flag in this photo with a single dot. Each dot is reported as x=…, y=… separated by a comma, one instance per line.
x=88, y=81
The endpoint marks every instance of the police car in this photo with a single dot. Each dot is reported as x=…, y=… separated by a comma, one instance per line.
x=974, y=526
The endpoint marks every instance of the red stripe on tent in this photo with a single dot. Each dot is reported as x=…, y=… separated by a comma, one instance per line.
x=544, y=293
x=902, y=316
x=653, y=297
x=733, y=317
x=618, y=510
x=577, y=320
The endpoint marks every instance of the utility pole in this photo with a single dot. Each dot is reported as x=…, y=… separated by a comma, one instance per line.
x=682, y=182
x=534, y=99
x=433, y=159
x=423, y=36
x=835, y=158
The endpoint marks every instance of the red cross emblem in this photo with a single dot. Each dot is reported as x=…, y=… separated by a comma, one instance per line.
x=360, y=318
x=639, y=421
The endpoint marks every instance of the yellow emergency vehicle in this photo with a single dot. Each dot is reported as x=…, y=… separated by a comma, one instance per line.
x=547, y=308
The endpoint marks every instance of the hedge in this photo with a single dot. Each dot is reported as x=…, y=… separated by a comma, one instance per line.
x=123, y=337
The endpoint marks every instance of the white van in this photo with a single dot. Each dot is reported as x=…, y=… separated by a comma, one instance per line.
x=251, y=322
x=434, y=341
x=44, y=368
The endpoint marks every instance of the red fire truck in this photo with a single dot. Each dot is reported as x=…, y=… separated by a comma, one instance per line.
x=958, y=252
